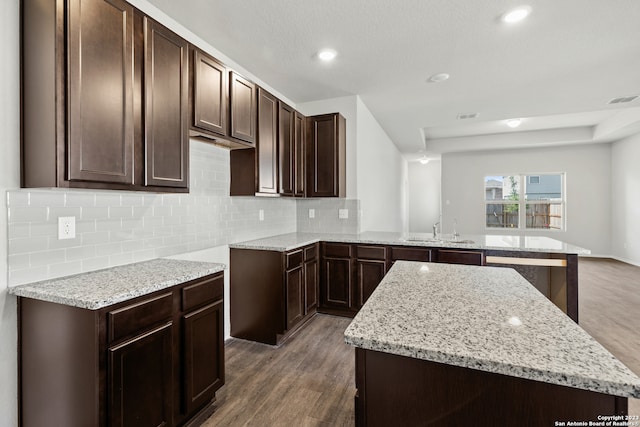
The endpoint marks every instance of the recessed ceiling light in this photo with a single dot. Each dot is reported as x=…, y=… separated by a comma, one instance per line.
x=438, y=78
x=327, y=55
x=516, y=15
x=514, y=123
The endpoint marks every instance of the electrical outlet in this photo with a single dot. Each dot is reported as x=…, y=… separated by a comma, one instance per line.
x=66, y=227
x=261, y=214
x=343, y=213
x=312, y=213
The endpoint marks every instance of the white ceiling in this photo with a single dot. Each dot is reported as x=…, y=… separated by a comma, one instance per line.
x=557, y=70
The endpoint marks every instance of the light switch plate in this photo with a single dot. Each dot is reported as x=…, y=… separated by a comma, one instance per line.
x=312, y=213
x=66, y=227
x=261, y=214
x=343, y=213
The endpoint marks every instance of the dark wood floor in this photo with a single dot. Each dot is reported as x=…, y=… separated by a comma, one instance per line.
x=609, y=304
x=309, y=381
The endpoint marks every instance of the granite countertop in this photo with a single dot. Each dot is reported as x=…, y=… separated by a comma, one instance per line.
x=484, y=318
x=98, y=289
x=286, y=242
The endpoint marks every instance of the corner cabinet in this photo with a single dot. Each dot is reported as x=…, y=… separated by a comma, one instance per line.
x=292, y=152
x=89, y=69
x=153, y=360
x=326, y=165
x=272, y=293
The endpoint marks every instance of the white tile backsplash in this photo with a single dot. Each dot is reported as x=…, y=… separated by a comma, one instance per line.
x=115, y=228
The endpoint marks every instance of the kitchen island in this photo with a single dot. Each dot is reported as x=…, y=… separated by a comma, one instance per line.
x=440, y=344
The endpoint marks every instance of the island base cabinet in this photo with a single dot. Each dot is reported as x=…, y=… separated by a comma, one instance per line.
x=399, y=390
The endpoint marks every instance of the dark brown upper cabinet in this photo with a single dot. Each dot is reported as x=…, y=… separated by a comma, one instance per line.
x=210, y=101
x=100, y=112
x=299, y=143
x=242, y=110
x=292, y=152
x=166, y=106
x=326, y=144
x=286, y=150
x=267, y=146
x=93, y=113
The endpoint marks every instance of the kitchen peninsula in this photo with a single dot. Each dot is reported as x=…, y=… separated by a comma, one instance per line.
x=440, y=344
x=278, y=282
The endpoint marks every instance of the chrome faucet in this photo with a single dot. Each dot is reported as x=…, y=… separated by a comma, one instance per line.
x=456, y=235
x=435, y=229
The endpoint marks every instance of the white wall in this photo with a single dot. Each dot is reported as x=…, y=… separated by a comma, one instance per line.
x=424, y=196
x=625, y=199
x=381, y=176
x=588, y=189
x=9, y=178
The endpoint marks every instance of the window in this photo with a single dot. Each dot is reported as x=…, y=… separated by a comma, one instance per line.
x=525, y=201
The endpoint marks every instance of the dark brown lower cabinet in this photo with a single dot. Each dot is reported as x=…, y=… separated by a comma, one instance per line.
x=371, y=267
x=140, y=380
x=454, y=256
x=294, y=285
x=203, y=354
x=155, y=360
x=272, y=293
x=336, y=275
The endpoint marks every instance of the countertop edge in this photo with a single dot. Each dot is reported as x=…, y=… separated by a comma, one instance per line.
x=33, y=291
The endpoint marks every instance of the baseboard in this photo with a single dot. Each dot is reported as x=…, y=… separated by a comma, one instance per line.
x=617, y=258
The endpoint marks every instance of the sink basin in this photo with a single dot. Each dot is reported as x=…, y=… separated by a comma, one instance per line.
x=422, y=239
x=436, y=240
x=461, y=241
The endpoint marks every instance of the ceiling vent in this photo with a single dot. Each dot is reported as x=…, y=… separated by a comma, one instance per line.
x=623, y=99
x=463, y=116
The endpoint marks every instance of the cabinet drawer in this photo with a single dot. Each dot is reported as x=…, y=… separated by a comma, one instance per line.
x=461, y=257
x=338, y=250
x=310, y=252
x=202, y=292
x=410, y=254
x=293, y=259
x=372, y=252
x=133, y=318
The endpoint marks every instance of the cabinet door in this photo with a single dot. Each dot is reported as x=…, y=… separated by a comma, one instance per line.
x=295, y=296
x=370, y=273
x=336, y=286
x=140, y=380
x=100, y=91
x=166, y=106
x=210, y=102
x=299, y=138
x=267, y=145
x=203, y=354
x=243, y=109
x=311, y=285
x=286, y=150
x=325, y=174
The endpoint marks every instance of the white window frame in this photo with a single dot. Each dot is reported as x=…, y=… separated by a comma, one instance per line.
x=522, y=202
